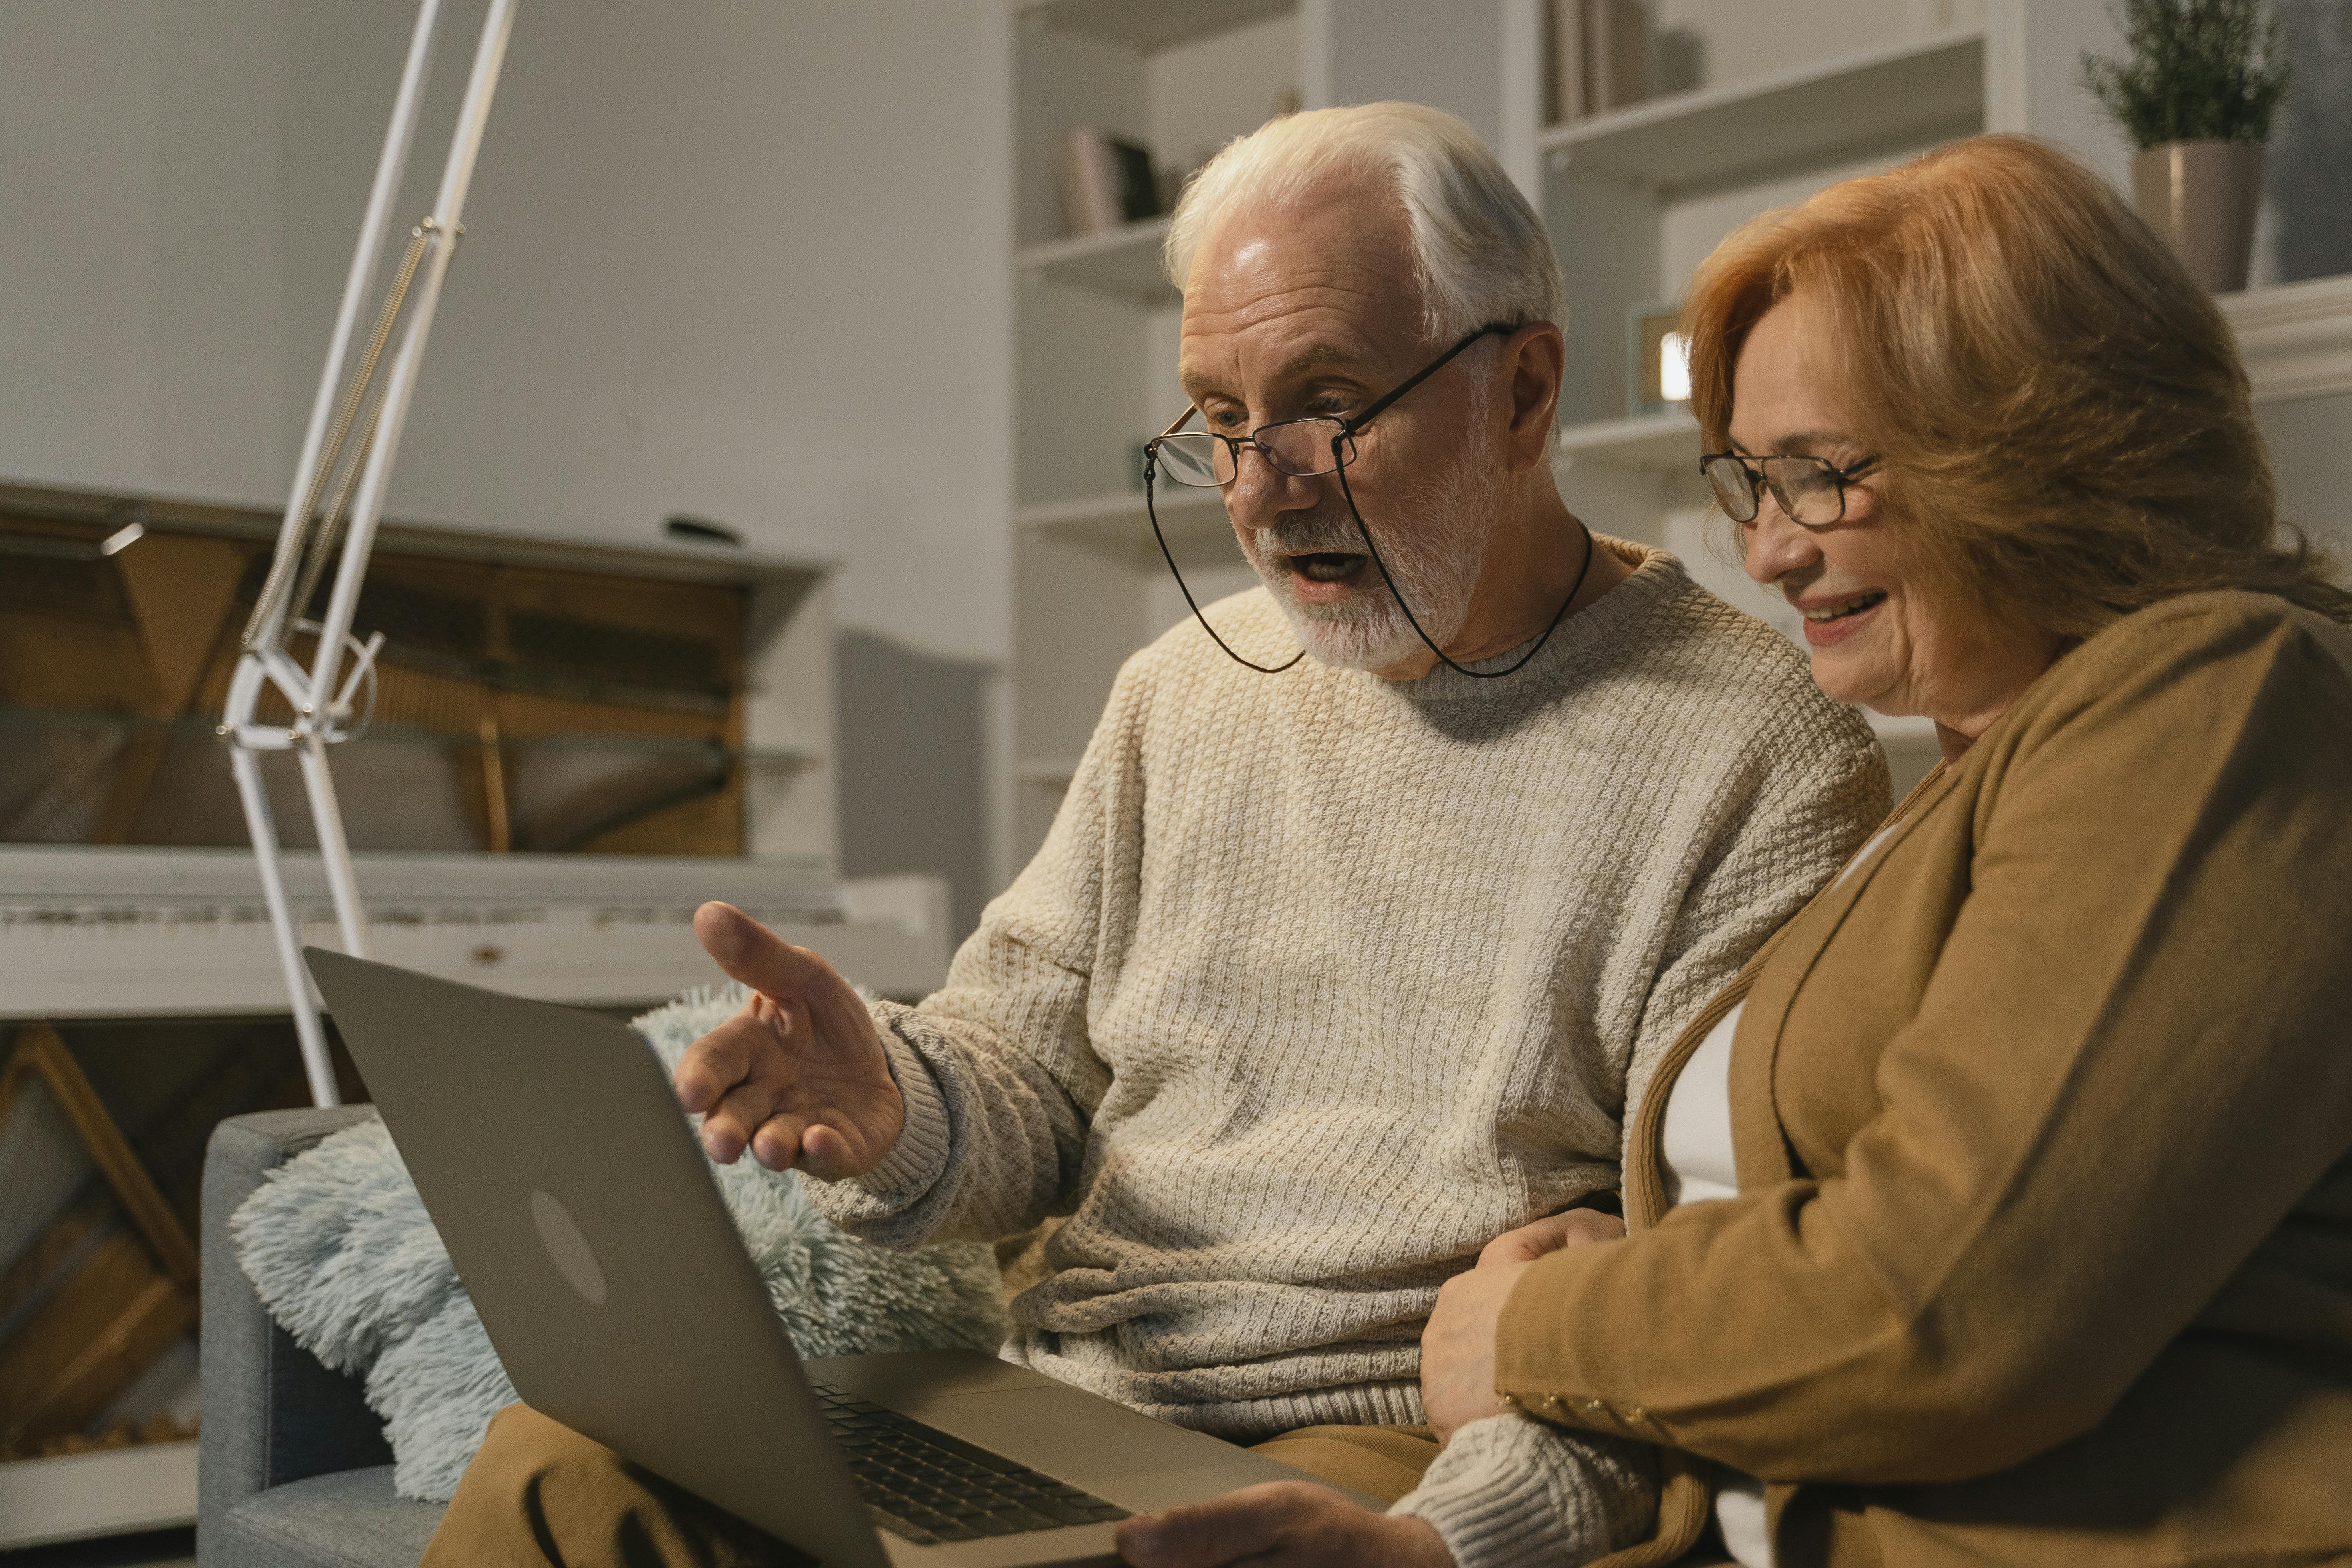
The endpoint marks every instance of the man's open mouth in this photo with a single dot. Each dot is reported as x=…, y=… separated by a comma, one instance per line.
x=1333, y=566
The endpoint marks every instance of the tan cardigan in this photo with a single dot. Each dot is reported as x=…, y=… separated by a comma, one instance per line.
x=2043, y=1246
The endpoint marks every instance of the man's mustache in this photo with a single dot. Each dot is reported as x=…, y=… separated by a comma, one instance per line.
x=1309, y=536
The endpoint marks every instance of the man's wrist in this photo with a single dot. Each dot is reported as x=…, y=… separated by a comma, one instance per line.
x=1418, y=1544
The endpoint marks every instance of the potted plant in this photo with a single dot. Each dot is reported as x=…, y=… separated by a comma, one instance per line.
x=2196, y=94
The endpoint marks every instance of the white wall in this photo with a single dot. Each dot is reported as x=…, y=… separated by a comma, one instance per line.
x=742, y=259
x=2311, y=455
x=1449, y=55
x=140, y=276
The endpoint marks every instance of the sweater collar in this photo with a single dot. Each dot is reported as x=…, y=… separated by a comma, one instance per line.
x=1657, y=577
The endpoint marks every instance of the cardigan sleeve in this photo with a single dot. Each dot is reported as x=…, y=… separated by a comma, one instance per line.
x=997, y=1069
x=2128, y=1066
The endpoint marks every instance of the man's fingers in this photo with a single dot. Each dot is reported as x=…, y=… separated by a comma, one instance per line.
x=1214, y=1533
x=781, y=1141
x=734, y=1123
x=716, y=1062
x=1528, y=1242
x=751, y=952
x=825, y=1153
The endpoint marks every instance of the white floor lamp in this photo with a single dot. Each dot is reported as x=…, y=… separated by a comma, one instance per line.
x=338, y=493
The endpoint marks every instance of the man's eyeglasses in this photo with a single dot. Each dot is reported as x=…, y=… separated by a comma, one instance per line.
x=1299, y=447
x=1810, y=491
x=1304, y=449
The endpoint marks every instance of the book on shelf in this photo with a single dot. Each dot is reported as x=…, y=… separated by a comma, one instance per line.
x=1599, y=56
x=1105, y=183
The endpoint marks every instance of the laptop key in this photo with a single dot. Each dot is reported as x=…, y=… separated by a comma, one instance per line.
x=1063, y=1512
x=900, y=1527
x=1027, y=1518
x=990, y=1524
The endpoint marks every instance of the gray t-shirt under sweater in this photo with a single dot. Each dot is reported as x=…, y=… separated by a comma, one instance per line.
x=1320, y=981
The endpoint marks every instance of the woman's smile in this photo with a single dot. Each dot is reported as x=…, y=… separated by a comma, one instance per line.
x=1830, y=621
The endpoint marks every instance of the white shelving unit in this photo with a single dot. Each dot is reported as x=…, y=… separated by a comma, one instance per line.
x=1117, y=526
x=1904, y=95
x=1645, y=443
x=2296, y=338
x=1094, y=325
x=1634, y=199
x=1123, y=263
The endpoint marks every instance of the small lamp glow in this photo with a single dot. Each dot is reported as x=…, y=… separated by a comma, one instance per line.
x=1673, y=367
x=129, y=533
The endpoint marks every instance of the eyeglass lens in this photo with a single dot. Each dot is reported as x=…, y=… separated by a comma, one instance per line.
x=1807, y=489
x=1301, y=447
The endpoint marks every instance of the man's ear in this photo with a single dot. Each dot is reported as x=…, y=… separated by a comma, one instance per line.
x=1534, y=357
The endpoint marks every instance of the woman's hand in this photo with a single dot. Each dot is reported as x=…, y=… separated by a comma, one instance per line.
x=1549, y=1234
x=1458, y=1348
x=1280, y=1524
x=1457, y=1344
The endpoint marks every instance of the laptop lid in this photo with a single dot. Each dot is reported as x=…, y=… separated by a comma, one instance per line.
x=549, y=1148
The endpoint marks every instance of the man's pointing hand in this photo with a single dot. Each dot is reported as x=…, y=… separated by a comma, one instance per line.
x=798, y=1077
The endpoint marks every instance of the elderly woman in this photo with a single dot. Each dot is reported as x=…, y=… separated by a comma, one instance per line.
x=2001, y=1211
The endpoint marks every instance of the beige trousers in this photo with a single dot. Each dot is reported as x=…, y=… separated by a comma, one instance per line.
x=540, y=1493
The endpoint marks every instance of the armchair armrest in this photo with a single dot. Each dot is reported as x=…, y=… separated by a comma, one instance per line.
x=272, y=1412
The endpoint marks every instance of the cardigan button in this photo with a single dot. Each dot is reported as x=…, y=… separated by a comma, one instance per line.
x=1594, y=1407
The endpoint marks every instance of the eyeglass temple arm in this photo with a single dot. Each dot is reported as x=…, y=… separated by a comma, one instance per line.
x=1181, y=420
x=1353, y=426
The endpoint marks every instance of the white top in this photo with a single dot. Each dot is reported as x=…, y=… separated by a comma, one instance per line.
x=1697, y=1167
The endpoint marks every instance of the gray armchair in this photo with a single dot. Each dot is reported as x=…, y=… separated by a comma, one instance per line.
x=293, y=1465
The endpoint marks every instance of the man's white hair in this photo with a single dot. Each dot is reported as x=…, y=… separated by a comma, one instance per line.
x=1480, y=254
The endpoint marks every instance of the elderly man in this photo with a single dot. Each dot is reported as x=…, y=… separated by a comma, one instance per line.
x=1324, y=978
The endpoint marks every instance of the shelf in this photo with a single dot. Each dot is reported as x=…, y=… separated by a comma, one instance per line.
x=1908, y=727
x=1047, y=773
x=113, y=1491
x=1193, y=517
x=1120, y=262
x=2296, y=338
x=1919, y=91
x=1149, y=27
x=1658, y=443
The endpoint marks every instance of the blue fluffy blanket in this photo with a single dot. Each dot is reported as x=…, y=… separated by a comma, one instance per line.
x=342, y=1254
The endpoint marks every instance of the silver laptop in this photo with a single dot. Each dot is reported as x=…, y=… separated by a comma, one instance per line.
x=548, y=1146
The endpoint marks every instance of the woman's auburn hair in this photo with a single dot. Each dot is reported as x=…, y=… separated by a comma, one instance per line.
x=2057, y=404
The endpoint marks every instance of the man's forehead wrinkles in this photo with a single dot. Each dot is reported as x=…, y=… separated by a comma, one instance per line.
x=1204, y=312
x=1313, y=356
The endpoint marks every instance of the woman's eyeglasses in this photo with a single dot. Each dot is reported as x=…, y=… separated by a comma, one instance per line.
x=1810, y=491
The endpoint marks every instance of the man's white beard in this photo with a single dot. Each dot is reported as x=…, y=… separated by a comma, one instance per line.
x=1433, y=549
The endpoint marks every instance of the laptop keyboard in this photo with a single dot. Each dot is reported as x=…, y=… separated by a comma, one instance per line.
x=919, y=1483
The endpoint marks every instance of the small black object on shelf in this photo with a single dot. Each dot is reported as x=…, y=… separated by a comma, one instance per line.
x=700, y=531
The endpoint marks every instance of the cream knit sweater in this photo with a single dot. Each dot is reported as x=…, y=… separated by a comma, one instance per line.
x=1320, y=981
